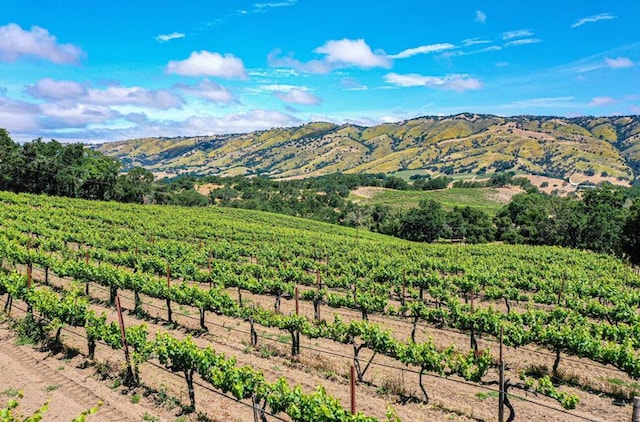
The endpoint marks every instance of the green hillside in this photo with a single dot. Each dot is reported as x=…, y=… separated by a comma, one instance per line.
x=489, y=200
x=464, y=143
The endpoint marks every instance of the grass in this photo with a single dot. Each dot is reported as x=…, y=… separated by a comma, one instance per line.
x=483, y=396
x=10, y=392
x=484, y=199
x=135, y=399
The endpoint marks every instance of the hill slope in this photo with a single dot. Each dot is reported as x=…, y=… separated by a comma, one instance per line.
x=462, y=143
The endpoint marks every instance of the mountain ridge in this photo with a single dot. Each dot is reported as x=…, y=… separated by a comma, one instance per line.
x=461, y=143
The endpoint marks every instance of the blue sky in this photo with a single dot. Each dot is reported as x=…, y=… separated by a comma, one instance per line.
x=97, y=71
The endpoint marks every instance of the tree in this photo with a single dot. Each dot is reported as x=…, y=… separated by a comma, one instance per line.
x=134, y=185
x=525, y=215
x=631, y=234
x=605, y=218
x=422, y=224
x=190, y=198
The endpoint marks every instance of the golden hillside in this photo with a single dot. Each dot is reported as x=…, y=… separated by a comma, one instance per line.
x=464, y=143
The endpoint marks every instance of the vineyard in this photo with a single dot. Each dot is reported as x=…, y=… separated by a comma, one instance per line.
x=269, y=314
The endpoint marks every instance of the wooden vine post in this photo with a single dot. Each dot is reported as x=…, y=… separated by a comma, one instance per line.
x=474, y=343
x=210, y=278
x=501, y=393
x=404, y=287
x=317, y=297
x=352, y=382
x=635, y=416
x=86, y=283
x=169, y=312
x=125, y=346
x=295, y=343
x=29, y=280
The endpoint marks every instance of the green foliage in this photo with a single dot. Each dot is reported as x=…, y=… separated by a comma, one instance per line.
x=56, y=169
x=631, y=233
x=8, y=414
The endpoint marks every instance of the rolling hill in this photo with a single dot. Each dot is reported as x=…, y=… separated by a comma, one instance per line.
x=464, y=143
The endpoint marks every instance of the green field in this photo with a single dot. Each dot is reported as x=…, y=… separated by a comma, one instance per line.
x=485, y=199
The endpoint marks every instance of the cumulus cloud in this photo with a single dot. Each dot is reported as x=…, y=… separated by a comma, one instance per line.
x=119, y=95
x=169, y=37
x=54, y=90
x=18, y=116
x=458, y=83
x=423, y=49
x=210, y=91
x=313, y=66
x=337, y=54
x=78, y=114
x=205, y=63
x=523, y=41
x=480, y=16
x=618, y=62
x=298, y=96
x=51, y=89
x=601, y=101
x=591, y=19
x=353, y=53
x=520, y=33
x=15, y=43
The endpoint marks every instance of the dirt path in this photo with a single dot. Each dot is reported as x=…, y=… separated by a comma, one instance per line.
x=69, y=389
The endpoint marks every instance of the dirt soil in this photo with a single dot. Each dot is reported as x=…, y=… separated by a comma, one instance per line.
x=73, y=389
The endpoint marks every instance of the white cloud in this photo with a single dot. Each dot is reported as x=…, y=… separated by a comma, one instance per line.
x=210, y=91
x=66, y=91
x=313, y=66
x=235, y=123
x=618, y=62
x=205, y=63
x=601, y=101
x=352, y=84
x=458, y=83
x=523, y=41
x=489, y=49
x=280, y=88
x=298, y=96
x=473, y=41
x=51, y=89
x=612, y=63
x=169, y=37
x=286, y=3
x=137, y=96
x=78, y=114
x=354, y=53
x=480, y=16
x=591, y=19
x=521, y=33
x=15, y=42
x=337, y=54
x=424, y=49
x=18, y=116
